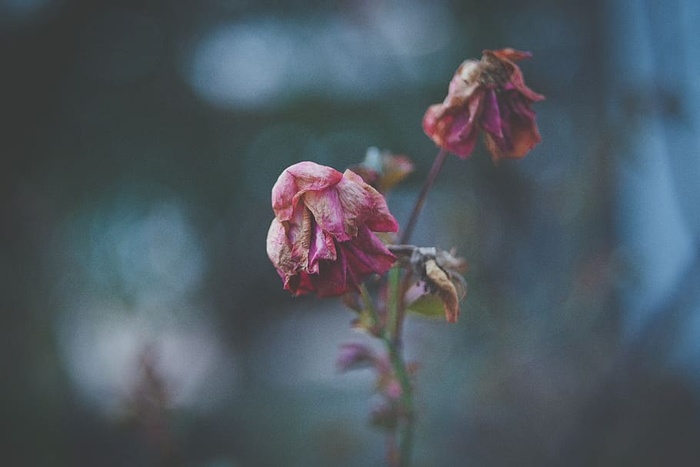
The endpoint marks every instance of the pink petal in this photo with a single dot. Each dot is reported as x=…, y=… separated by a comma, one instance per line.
x=461, y=130
x=375, y=212
x=297, y=180
x=367, y=255
x=491, y=116
x=431, y=119
x=508, y=56
x=328, y=211
x=322, y=247
x=299, y=284
x=332, y=279
x=278, y=249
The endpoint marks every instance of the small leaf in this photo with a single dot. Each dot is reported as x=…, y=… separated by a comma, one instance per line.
x=427, y=305
x=365, y=322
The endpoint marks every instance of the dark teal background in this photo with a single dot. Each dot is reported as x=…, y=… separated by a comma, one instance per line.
x=140, y=141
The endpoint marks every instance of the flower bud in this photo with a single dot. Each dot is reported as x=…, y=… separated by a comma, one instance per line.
x=353, y=356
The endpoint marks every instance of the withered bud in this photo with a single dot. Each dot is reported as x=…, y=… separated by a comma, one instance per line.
x=353, y=356
x=440, y=270
x=382, y=169
x=385, y=416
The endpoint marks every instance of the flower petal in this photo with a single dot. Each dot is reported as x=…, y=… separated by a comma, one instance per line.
x=507, y=57
x=322, y=247
x=445, y=290
x=519, y=129
x=329, y=212
x=297, y=180
x=366, y=254
x=278, y=249
x=491, y=120
x=374, y=210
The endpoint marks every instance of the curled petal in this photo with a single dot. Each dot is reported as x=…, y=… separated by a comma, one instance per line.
x=374, y=210
x=508, y=54
x=446, y=290
x=464, y=83
x=491, y=120
x=454, y=130
x=507, y=57
x=519, y=133
x=298, y=179
x=356, y=260
x=278, y=248
x=329, y=212
x=322, y=247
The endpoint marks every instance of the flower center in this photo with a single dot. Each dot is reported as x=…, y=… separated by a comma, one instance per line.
x=493, y=72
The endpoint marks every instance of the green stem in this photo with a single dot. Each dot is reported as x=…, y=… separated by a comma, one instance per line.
x=406, y=401
x=434, y=171
x=393, y=305
x=369, y=306
x=395, y=316
x=392, y=340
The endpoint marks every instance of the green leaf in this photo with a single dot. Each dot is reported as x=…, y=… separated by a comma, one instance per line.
x=428, y=305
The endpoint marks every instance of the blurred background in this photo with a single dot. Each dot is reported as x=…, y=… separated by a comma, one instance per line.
x=142, y=323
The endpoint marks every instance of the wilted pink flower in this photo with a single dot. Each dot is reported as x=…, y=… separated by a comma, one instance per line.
x=322, y=238
x=490, y=95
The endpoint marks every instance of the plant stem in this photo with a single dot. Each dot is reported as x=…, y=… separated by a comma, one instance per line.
x=434, y=171
x=369, y=306
x=392, y=340
x=394, y=325
x=393, y=303
x=406, y=401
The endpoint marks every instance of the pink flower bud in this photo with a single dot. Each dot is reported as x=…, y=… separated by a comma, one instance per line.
x=322, y=238
x=353, y=356
x=488, y=95
x=393, y=390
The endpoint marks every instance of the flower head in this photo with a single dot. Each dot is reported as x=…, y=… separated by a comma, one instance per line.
x=489, y=95
x=322, y=238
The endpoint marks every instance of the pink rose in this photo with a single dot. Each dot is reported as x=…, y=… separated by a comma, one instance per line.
x=322, y=238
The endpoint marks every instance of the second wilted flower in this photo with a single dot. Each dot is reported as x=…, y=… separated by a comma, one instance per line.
x=322, y=238
x=490, y=95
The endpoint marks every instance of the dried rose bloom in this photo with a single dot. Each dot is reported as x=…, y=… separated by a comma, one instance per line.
x=488, y=95
x=322, y=238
